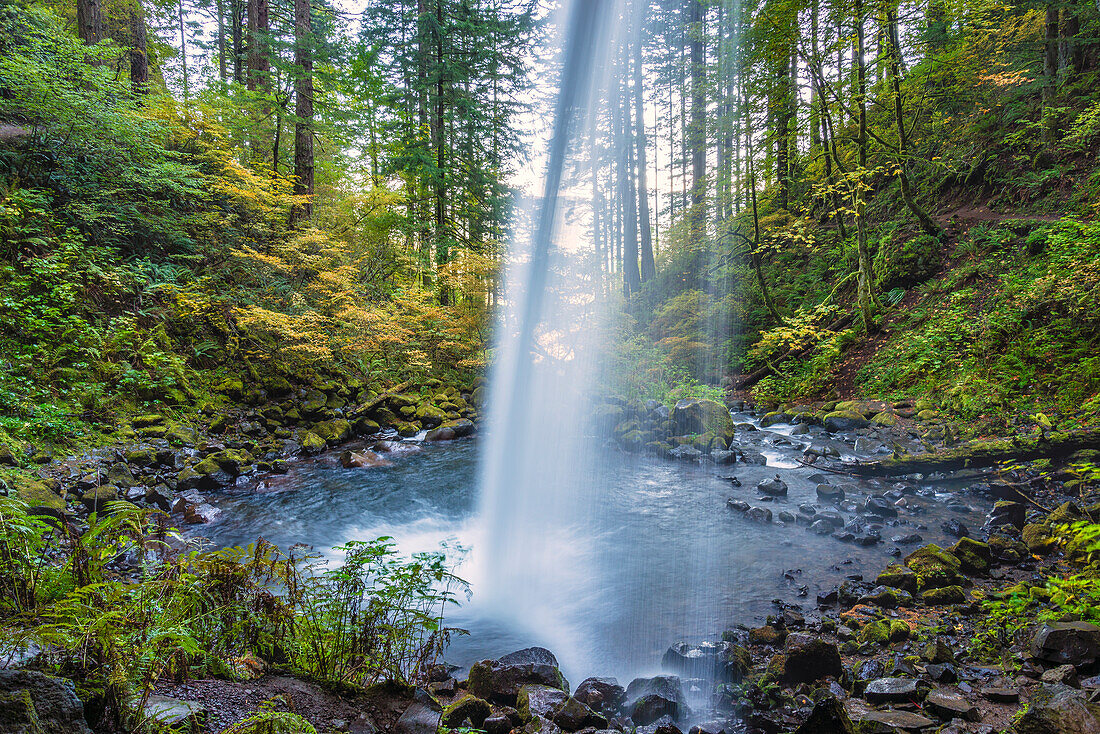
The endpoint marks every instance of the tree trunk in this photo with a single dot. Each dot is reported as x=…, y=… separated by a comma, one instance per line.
x=303, y=112
x=89, y=21
x=183, y=50
x=1050, y=72
x=894, y=71
x=625, y=170
x=866, y=277
x=782, y=117
x=223, y=70
x=442, y=254
x=815, y=118
x=238, y=40
x=139, y=58
x=259, y=64
x=648, y=267
x=697, y=133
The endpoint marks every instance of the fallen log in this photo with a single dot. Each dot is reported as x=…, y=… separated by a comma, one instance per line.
x=370, y=404
x=982, y=453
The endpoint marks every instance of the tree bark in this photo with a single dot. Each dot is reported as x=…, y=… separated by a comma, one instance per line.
x=183, y=50
x=697, y=133
x=89, y=21
x=303, y=112
x=648, y=267
x=1050, y=72
x=139, y=58
x=866, y=275
x=259, y=65
x=223, y=70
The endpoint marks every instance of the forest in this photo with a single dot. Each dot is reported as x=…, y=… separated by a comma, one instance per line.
x=237, y=236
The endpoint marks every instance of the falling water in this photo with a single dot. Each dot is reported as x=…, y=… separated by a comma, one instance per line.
x=536, y=464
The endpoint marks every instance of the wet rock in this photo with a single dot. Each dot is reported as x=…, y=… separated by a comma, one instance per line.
x=786, y=516
x=830, y=492
x=774, y=487
x=767, y=635
x=500, y=680
x=974, y=556
x=601, y=694
x=828, y=717
x=362, y=459
x=738, y=505
x=1073, y=643
x=722, y=456
x=887, y=597
x=173, y=713
x=1061, y=674
x=947, y=706
x=955, y=528
x=497, y=724
x=907, y=539
x=699, y=416
x=311, y=443
x=871, y=670
x=759, y=514
x=722, y=661
x=538, y=701
x=937, y=651
x=1039, y=539
x=892, y=690
x=898, y=577
x=421, y=717
x=333, y=432
x=843, y=420
x=880, y=506
x=943, y=596
x=934, y=567
x=1058, y=709
x=1007, y=514
x=686, y=453
x=889, y=722
x=942, y=673
x=36, y=703
x=807, y=658
x=648, y=699
x=201, y=514
x=1001, y=694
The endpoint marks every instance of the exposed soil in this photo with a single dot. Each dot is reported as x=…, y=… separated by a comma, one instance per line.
x=228, y=702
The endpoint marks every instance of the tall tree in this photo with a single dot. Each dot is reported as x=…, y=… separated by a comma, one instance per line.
x=139, y=56
x=89, y=21
x=303, y=113
x=648, y=266
x=697, y=129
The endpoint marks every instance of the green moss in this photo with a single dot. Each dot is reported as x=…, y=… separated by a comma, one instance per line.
x=934, y=567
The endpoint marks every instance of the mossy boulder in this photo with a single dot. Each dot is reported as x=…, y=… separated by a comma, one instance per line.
x=178, y=435
x=1039, y=539
x=96, y=499
x=844, y=420
x=885, y=418
x=231, y=387
x=774, y=418
x=467, y=707
x=934, y=567
x=40, y=499
x=898, y=577
x=902, y=262
x=334, y=431
x=974, y=556
x=407, y=430
x=943, y=596
x=151, y=419
x=429, y=415
x=364, y=426
x=311, y=443
x=694, y=416
x=277, y=386
x=140, y=456
x=233, y=461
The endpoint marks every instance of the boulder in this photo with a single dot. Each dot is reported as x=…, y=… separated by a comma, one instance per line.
x=698, y=416
x=828, y=717
x=934, y=567
x=362, y=459
x=311, y=443
x=844, y=420
x=943, y=596
x=35, y=703
x=774, y=487
x=892, y=690
x=333, y=432
x=1073, y=643
x=723, y=662
x=1058, y=709
x=601, y=694
x=830, y=492
x=468, y=707
x=889, y=722
x=947, y=706
x=1006, y=513
x=648, y=699
x=39, y=498
x=500, y=680
x=430, y=416
x=808, y=658
x=1039, y=539
x=421, y=717
x=974, y=556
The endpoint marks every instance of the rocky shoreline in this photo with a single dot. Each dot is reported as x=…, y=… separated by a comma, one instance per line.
x=256, y=430
x=894, y=653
